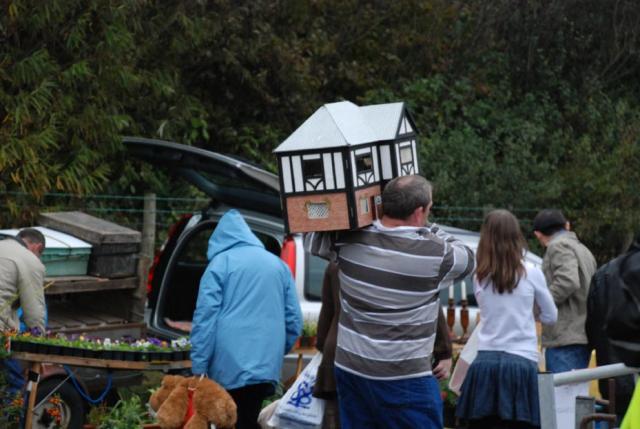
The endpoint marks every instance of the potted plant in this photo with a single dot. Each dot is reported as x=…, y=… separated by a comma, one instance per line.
x=309, y=333
x=181, y=348
x=127, y=413
x=159, y=351
x=25, y=342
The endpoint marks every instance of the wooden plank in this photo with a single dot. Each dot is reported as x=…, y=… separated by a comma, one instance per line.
x=64, y=321
x=89, y=228
x=100, y=363
x=108, y=319
x=82, y=284
x=86, y=319
x=54, y=325
x=111, y=331
x=81, y=316
x=61, y=279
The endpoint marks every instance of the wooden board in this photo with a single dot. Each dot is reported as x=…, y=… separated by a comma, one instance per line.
x=89, y=228
x=100, y=363
x=80, y=284
x=69, y=318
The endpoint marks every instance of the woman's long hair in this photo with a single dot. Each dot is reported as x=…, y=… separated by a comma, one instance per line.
x=500, y=251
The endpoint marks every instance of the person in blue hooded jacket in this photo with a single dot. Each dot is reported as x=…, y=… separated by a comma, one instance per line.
x=247, y=317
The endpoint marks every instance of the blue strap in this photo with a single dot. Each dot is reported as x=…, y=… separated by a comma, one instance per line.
x=84, y=394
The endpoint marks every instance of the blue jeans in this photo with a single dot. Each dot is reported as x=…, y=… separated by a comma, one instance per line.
x=566, y=358
x=413, y=403
x=12, y=371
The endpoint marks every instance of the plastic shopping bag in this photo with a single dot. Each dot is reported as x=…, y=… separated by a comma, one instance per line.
x=467, y=355
x=298, y=408
x=266, y=414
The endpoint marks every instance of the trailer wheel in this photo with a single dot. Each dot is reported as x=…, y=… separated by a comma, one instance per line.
x=69, y=409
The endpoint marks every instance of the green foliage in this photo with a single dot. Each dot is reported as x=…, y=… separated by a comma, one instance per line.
x=128, y=413
x=484, y=147
x=96, y=414
x=309, y=328
x=12, y=405
x=520, y=106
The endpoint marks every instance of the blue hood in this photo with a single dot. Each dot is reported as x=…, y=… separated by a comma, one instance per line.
x=232, y=231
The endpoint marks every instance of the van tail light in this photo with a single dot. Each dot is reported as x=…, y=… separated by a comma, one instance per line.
x=173, y=229
x=288, y=254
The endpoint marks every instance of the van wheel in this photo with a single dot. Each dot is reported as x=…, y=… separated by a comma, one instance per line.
x=64, y=409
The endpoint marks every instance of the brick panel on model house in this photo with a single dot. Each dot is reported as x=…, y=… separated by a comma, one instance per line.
x=338, y=212
x=365, y=219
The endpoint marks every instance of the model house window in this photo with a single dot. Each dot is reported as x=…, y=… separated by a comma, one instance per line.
x=406, y=155
x=312, y=168
x=317, y=210
x=313, y=173
x=364, y=163
x=364, y=205
x=406, y=159
x=364, y=169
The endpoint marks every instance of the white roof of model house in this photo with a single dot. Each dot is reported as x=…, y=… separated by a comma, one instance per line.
x=384, y=119
x=344, y=124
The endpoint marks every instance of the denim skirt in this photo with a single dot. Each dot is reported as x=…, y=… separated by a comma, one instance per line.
x=502, y=385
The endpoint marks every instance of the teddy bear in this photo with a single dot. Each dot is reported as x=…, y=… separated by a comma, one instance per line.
x=169, y=382
x=210, y=404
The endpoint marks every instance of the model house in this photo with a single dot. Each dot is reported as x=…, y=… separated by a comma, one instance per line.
x=334, y=166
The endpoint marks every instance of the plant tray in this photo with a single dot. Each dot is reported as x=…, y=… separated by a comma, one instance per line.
x=104, y=354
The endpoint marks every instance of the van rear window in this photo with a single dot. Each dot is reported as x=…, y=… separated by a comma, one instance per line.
x=314, y=273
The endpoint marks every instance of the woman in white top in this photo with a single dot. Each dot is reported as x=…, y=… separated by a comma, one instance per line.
x=500, y=389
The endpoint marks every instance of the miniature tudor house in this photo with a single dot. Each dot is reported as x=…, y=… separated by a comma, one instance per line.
x=334, y=166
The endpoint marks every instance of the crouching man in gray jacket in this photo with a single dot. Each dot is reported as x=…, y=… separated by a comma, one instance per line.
x=21, y=285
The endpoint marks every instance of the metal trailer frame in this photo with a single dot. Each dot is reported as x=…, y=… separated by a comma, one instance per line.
x=548, y=381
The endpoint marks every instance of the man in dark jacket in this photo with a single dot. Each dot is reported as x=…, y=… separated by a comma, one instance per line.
x=606, y=285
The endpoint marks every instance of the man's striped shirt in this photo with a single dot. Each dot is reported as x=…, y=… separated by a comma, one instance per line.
x=389, y=284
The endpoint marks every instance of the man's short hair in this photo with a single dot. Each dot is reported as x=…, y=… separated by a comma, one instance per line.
x=31, y=235
x=549, y=221
x=404, y=194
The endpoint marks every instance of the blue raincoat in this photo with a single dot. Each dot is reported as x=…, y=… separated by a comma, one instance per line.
x=247, y=315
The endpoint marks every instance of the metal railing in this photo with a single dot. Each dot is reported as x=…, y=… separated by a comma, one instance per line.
x=548, y=381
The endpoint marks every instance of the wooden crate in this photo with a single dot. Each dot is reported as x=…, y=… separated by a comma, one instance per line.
x=115, y=247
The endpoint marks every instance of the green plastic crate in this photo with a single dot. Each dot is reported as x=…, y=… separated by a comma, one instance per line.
x=64, y=254
x=65, y=262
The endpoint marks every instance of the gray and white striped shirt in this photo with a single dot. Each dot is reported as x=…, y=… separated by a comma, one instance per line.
x=389, y=284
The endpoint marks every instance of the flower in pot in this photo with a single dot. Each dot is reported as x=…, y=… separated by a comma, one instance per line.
x=181, y=348
x=309, y=333
x=159, y=350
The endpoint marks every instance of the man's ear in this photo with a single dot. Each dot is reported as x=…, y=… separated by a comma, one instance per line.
x=416, y=216
x=36, y=248
x=541, y=237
